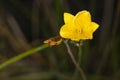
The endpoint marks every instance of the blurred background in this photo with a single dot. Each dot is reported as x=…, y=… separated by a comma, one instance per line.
x=25, y=24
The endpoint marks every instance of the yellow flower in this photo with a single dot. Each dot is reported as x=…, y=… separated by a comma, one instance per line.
x=78, y=27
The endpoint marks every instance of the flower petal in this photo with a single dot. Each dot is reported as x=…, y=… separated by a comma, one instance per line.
x=82, y=19
x=94, y=26
x=88, y=33
x=87, y=36
x=67, y=30
x=68, y=17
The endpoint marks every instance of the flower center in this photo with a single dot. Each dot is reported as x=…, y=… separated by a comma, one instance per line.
x=78, y=31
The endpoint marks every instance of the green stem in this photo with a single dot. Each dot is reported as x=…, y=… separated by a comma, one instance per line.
x=23, y=55
x=80, y=52
x=76, y=73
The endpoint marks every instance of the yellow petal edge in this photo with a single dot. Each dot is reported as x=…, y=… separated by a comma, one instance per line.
x=68, y=17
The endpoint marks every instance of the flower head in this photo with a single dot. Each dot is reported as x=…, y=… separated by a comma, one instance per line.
x=78, y=27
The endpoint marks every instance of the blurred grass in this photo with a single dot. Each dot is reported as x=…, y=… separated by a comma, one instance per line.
x=27, y=23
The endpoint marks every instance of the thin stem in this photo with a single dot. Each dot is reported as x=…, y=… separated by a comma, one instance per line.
x=80, y=51
x=79, y=45
x=74, y=61
x=23, y=55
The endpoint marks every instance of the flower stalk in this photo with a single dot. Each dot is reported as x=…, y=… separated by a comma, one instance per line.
x=74, y=61
x=23, y=55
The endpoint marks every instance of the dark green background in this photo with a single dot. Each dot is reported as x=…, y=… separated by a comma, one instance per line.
x=27, y=23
